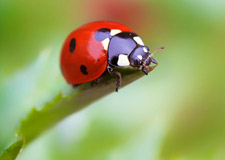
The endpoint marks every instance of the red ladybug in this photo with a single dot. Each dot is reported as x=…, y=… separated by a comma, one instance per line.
x=97, y=47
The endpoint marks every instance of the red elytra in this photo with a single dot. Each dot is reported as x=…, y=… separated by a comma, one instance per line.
x=83, y=58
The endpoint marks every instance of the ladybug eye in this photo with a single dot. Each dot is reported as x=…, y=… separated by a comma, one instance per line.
x=136, y=62
x=72, y=45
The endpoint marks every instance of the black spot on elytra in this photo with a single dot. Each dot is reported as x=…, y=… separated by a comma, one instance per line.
x=104, y=30
x=83, y=69
x=72, y=45
x=102, y=34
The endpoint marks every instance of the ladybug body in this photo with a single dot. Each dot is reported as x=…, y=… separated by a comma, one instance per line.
x=99, y=46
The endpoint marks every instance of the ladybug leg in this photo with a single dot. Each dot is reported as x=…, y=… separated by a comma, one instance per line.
x=144, y=69
x=153, y=67
x=116, y=74
x=75, y=85
x=101, y=77
x=98, y=80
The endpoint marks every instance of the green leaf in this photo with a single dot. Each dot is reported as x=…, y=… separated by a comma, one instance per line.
x=39, y=121
x=61, y=107
x=12, y=152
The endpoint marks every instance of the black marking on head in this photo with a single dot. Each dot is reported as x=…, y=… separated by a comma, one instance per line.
x=72, y=45
x=104, y=30
x=114, y=60
x=102, y=34
x=83, y=69
x=127, y=35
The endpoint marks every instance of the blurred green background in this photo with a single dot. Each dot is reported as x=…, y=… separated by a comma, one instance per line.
x=175, y=113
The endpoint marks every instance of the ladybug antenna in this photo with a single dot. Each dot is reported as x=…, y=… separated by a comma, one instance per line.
x=152, y=53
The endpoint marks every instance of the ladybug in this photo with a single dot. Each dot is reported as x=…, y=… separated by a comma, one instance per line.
x=97, y=47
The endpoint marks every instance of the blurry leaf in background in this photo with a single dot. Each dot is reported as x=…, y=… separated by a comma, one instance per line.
x=27, y=27
x=24, y=90
x=102, y=136
x=32, y=33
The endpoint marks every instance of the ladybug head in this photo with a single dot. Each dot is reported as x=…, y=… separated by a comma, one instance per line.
x=141, y=56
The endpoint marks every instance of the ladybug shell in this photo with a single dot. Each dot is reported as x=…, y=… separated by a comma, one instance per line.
x=83, y=58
